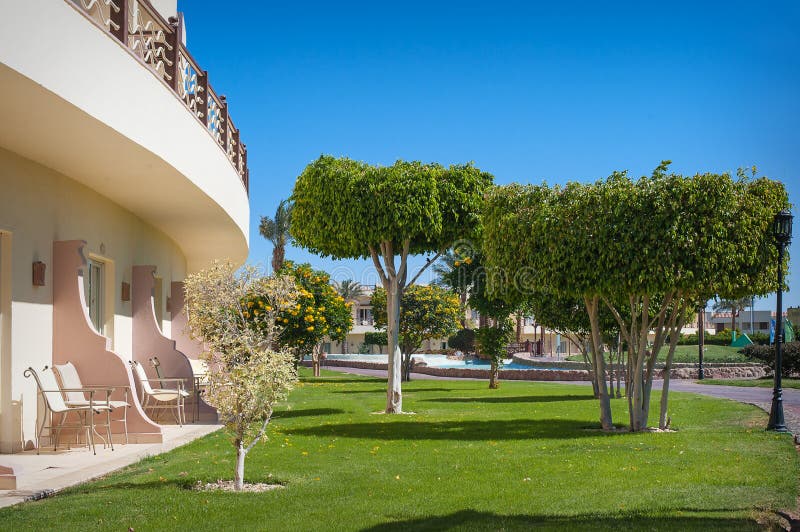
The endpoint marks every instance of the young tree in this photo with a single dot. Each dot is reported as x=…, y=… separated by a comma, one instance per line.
x=276, y=230
x=386, y=213
x=318, y=312
x=427, y=312
x=492, y=342
x=246, y=375
x=653, y=247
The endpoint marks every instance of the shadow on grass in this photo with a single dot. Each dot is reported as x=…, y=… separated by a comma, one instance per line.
x=406, y=391
x=509, y=429
x=474, y=520
x=513, y=399
x=307, y=412
x=365, y=380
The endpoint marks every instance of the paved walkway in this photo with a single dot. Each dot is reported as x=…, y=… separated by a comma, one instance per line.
x=760, y=397
x=41, y=475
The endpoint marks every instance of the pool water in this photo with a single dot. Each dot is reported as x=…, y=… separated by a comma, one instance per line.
x=438, y=361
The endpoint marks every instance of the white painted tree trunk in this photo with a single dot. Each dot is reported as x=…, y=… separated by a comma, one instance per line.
x=394, y=396
x=238, y=478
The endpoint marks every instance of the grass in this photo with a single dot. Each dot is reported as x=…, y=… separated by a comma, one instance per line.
x=764, y=382
x=528, y=454
x=689, y=353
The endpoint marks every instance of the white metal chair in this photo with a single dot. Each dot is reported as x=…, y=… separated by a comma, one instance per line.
x=54, y=403
x=68, y=375
x=160, y=398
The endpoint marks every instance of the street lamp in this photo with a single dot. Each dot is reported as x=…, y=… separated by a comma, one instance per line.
x=782, y=229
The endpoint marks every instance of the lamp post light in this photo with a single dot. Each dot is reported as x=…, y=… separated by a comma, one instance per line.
x=701, y=337
x=782, y=229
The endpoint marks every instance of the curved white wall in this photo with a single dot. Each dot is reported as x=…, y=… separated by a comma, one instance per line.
x=75, y=100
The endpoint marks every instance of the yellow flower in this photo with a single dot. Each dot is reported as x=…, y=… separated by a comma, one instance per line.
x=310, y=328
x=468, y=260
x=457, y=263
x=261, y=304
x=269, y=308
x=285, y=320
x=249, y=304
x=309, y=318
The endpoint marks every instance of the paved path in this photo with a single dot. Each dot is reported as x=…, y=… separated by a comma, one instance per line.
x=760, y=397
x=41, y=475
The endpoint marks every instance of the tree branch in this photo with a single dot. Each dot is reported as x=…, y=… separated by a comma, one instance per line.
x=425, y=267
x=403, y=273
x=260, y=433
x=377, y=262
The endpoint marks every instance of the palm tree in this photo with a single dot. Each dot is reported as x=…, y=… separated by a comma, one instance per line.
x=443, y=268
x=734, y=306
x=276, y=230
x=349, y=290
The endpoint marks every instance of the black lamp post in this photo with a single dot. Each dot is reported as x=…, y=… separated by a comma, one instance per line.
x=782, y=229
x=701, y=338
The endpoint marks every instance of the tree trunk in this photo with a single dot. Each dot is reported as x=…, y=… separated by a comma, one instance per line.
x=407, y=360
x=673, y=342
x=394, y=397
x=494, y=375
x=606, y=420
x=238, y=478
x=585, y=353
x=278, y=255
x=520, y=325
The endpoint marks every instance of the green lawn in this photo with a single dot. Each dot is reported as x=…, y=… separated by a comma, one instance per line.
x=764, y=382
x=689, y=353
x=528, y=454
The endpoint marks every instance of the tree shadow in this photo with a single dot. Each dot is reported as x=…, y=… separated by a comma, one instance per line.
x=365, y=380
x=474, y=520
x=494, y=430
x=406, y=391
x=513, y=399
x=307, y=412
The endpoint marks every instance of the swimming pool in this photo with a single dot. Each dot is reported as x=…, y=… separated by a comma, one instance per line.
x=433, y=361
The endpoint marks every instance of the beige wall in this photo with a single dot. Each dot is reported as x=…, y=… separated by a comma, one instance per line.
x=42, y=207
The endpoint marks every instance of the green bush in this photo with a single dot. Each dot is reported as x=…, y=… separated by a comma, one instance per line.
x=766, y=355
x=376, y=338
x=463, y=340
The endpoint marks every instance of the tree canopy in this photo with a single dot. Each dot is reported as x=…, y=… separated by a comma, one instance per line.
x=656, y=245
x=349, y=209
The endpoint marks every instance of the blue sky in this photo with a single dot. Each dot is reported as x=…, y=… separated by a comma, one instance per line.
x=529, y=91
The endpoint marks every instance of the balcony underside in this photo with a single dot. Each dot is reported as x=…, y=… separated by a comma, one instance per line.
x=77, y=101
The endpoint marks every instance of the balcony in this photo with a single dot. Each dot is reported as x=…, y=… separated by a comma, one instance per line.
x=106, y=93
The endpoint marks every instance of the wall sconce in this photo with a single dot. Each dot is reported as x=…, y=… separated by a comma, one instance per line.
x=126, y=291
x=39, y=268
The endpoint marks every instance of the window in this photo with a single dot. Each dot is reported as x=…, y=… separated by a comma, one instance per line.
x=365, y=316
x=763, y=325
x=93, y=289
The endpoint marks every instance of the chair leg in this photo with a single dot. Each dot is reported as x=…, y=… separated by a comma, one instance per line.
x=125, y=422
x=41, y=429
x=91, y=431
x=108, y=429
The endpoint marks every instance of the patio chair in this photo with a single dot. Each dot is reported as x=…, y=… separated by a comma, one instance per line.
x=68, y=375
x=199, y=383
x=54, y=403
x=160, y=398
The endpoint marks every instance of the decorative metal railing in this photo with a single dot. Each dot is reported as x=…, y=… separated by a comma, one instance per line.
x=158, y=44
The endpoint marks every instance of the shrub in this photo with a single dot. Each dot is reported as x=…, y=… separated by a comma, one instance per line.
x=376, y=338
x=766, y=355
x=463, y=340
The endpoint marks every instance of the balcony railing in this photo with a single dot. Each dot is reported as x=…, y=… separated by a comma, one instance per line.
x=158, y=44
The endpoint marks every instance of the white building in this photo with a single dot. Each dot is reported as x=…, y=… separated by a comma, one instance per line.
x=121, y=171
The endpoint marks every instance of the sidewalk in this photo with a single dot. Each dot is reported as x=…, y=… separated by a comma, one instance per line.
x=41, y=475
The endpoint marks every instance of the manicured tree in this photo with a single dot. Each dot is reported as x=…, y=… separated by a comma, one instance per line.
x=492, y=342
x=427, y=312
x=246, y=376
x=386, y=214
x=653, y=247
x=276, y=230
x=494, y=309
x=319, y=312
